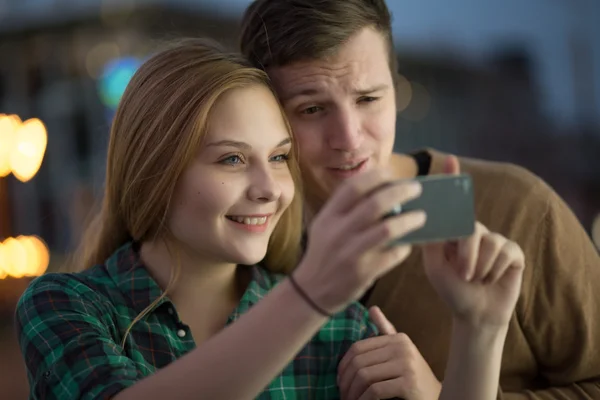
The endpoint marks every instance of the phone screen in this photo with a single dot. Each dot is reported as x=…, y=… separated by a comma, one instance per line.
x=449, y=203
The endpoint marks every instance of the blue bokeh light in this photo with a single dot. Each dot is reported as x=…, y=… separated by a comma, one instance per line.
x=114, y=79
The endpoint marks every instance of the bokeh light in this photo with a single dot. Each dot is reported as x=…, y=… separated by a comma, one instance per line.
x=419, y=103
x=28, y=150
x=115, y=77
x=9, y=125
x=403, y=93
x=22, y=146
x=23, y=256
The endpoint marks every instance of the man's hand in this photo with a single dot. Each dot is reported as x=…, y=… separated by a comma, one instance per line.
x=479, y=277
x=385, y=367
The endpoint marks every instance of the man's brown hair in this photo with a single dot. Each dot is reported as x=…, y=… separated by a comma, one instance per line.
x=276, y=33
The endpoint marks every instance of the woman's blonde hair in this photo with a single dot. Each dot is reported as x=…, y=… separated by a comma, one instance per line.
x=158, y=128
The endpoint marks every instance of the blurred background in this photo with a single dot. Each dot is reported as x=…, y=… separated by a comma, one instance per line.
x=510, y=80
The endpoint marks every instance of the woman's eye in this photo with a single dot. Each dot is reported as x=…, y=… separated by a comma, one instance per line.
x=281, y=158
x=231, y=160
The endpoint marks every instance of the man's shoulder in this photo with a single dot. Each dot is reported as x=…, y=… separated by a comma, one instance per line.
x=499, y=172
x=498, y=177
x=509, y=187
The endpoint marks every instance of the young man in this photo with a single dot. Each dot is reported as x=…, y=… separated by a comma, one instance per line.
x=333, y=65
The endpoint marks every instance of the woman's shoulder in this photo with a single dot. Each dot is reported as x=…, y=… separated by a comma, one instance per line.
x=87, y=283
x=56, y=292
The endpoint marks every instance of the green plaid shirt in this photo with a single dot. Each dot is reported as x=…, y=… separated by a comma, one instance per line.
x=71, y=326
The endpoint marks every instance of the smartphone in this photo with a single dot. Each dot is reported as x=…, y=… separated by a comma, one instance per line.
x=449, y=203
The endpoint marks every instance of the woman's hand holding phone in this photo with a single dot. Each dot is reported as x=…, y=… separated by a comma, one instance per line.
x=348, y=247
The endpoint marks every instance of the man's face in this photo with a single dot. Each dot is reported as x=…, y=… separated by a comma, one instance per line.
x=342, y=110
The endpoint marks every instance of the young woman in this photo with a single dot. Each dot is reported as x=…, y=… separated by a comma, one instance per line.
x=187, y=289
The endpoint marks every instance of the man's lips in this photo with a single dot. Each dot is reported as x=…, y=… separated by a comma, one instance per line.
x=350, y=169
x=349, y=165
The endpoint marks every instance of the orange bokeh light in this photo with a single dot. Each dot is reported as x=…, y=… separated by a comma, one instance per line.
x=23, y=256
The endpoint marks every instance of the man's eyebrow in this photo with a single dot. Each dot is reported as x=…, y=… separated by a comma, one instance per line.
x=243, y=145
x=372, y=89
x=312, y=92
x=297, y=93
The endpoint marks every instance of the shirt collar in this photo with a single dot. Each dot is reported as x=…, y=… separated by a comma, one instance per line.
x=261, y=283
x=132, y=278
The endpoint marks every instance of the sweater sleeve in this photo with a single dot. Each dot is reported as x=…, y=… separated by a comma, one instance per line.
x=561, y=306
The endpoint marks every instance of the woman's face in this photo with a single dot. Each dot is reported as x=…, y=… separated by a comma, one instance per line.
x=229, y=199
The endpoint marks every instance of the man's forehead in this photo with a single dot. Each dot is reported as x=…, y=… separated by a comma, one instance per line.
x=360, y=64
x=298, y=81
x=314, y=79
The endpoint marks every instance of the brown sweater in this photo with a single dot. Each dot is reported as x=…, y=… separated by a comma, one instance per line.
x=552, y=349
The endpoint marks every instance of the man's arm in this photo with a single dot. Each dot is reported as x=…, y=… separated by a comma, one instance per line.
x=560, y=313
x=587, y=391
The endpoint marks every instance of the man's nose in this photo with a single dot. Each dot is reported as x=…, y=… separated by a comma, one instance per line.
x=344, y=131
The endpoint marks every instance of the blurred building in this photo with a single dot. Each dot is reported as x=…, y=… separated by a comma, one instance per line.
x=68, y=67
x=492, y=111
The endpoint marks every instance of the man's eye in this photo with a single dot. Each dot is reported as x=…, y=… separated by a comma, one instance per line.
x=311, y=110
x=368, y=99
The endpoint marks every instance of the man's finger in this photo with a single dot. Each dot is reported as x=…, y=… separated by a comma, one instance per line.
x=381, y=322
x=451, y=165
x=468, y=251
x=510, y=257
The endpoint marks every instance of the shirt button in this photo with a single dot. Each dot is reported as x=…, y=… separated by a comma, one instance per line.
x=170, y=311
x=181, y=333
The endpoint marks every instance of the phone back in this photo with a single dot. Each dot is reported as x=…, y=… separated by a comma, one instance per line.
x=449, y=204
